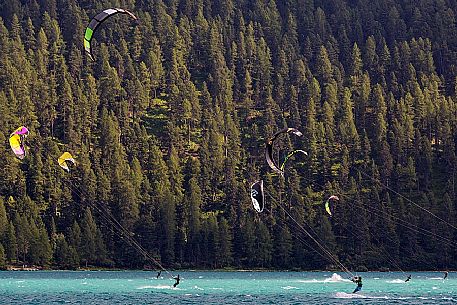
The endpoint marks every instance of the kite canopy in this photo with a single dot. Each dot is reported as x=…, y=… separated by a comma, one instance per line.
x=17, y=141
x=290, y=155
x=95, y=23
x=330, y=204
x=270, y=144
x=257, y=196
x=66, y=156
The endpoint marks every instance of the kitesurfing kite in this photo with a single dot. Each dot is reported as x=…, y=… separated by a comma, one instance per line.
x=95, y=23
x=269, y=148
x=330, y=204
x=17, y=141
x=66, y=156
x=290, y=155
x=257, y=196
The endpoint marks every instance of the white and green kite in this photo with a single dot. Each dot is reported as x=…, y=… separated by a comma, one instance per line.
x=96, y=21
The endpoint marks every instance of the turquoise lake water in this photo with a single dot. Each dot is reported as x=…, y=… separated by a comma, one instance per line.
x=197, y=287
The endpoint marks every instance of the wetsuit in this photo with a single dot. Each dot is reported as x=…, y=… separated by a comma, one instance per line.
x=445, y=275
x=159, y=273
x=177, y=281
x=358, y=281
x=409, y=277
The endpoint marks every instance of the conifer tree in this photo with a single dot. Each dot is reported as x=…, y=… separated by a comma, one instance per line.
x=88, y=238
x=263, y=246
x=282, y=243
x=206, y=83
x=194, y=203
x=4, y=223
x=225, y=252
x=2, y=258
x=11, y=244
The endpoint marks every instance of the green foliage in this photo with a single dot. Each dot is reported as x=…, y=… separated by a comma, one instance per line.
x=65, y=256
x=168, y=129
x=2, y=258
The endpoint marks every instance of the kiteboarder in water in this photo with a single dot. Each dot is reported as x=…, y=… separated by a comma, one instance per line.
x=409, y=277
x=177, y=281
x=445, y=275
x=159, y=273
x=358, y=281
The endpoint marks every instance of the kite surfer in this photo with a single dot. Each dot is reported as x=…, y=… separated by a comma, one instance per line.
x=409, y=277
x=177, y=281
x=358, y=281
x=445, y=275
x=159, y=273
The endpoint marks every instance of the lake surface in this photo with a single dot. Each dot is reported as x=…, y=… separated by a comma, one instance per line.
x=197, y=287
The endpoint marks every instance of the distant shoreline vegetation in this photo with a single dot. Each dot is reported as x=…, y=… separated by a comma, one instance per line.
x=167, y=129
x=38, y=268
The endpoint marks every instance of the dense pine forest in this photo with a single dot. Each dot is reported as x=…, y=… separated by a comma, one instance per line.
x=168, y=127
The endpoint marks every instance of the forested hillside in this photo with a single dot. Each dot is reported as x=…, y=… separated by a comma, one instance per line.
x=168, y=127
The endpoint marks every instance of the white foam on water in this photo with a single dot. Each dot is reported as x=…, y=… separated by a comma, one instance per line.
x=434, y=287
x=289, y=287
x=396, y=281
x=198, y=288
x=335, y=278
x=311, y=281
x=434, y=278
x=344, y=295
x=157, y=287
x=200, y=277
x=376, y=278
x=20, y=281
x=217, y=288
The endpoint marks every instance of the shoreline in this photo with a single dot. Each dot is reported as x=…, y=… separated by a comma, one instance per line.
x=39, y=268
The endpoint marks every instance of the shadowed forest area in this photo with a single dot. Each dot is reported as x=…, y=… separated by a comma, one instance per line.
x=168, y=128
